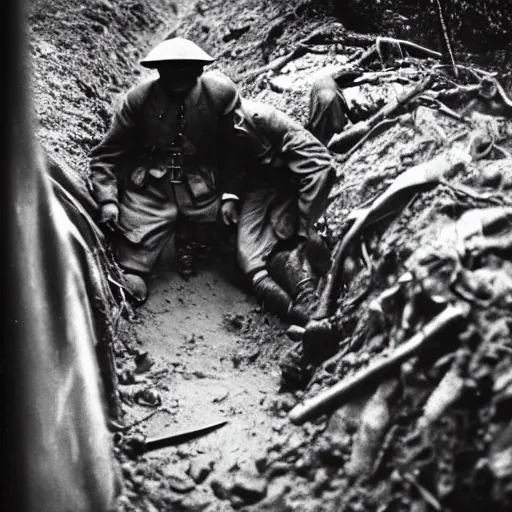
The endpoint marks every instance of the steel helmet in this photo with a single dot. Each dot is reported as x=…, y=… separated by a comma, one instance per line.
x=173, y=49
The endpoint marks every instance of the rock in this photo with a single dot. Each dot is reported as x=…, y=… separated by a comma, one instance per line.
x=261, y=464
x=221, y=488
x=295, y=441
x=281, y=83
x=491, y=177
x=303, y=466
x=346, y=419
x=200, y=468
x=251, y=488
x=251, y=355
x=143, y=363
x=149, y=507
x=236, y=502
x=320, y=481
x=277, y=492
x=46, y=48
x=128, y=469
x=147, y=397
x=195, y=503
x=179, y=482
x=221, y=396
x=278, y=468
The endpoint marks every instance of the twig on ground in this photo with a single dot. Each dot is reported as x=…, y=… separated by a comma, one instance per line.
x=277, y=64
x=343, y=141
x=337, y=395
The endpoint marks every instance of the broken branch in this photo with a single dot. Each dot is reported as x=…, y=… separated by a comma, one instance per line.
x=338, y=394
x=343, y=141
x=275, y=65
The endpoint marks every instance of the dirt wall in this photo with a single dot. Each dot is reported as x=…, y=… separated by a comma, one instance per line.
x=83, y=55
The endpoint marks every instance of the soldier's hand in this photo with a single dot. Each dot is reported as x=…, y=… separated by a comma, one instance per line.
x=229, y=212
x=109, y=215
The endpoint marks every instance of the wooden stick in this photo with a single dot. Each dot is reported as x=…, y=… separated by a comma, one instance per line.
x=337, y=395
x=340, y=142
x=275, y=65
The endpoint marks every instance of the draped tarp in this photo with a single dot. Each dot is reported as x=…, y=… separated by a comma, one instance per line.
x=54, y=421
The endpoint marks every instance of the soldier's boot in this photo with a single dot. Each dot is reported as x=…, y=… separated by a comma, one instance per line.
x=293, y=271
x=186, y=261
x=271, y=294
x=186, y=248
x=296, y=370
x=306, y=299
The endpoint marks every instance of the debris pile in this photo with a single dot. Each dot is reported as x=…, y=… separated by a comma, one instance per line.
x=409, y=406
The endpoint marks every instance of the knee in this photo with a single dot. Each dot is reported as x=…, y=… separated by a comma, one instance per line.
x=324, y=90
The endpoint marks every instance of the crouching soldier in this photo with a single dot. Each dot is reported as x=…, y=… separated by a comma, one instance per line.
x=288, y=177
x=164, y=156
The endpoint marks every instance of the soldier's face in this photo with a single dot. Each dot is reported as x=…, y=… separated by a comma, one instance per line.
x=179, y=76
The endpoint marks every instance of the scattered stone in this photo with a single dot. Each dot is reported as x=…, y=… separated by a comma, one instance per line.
x=220, y=488
x=236, y=359
x=284, y=403
x=46, y=48
x=220, y=397
x=281, y=83
x=278, y=468
x=235, y=33
x=195, y=502
x=303, y=466
x=251, y=488
x=236, y=501
x=143, y=363
x=149, y=507
x=128, y=470
x=200, y=468
x=261, y=464
x=179, y=482
x=276, y=496
x=295, y=441
x=126, y=378
x=233, y=322
x=320, y=481
x=251, y=355
x=138, y=481
x=148, y=397
x=491, y=177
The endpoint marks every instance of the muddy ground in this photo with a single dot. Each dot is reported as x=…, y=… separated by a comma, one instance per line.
x=203, y=350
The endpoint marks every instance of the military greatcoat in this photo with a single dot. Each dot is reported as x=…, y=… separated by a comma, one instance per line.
x=288, y=176
x=131, y=167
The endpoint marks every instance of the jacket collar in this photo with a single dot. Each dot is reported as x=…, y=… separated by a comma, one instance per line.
x=191, y=99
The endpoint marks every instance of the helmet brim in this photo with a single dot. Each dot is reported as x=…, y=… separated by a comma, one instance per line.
x=154, y=64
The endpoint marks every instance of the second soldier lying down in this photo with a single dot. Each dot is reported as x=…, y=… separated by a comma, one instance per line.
x=289, y=175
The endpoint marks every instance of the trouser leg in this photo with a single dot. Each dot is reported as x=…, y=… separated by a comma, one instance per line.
x=273, y=297
x=327, y=110
x=256, y=238
x=147, y=218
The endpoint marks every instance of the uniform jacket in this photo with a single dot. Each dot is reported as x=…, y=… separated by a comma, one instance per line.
x=276, y=146
x=146, y=124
